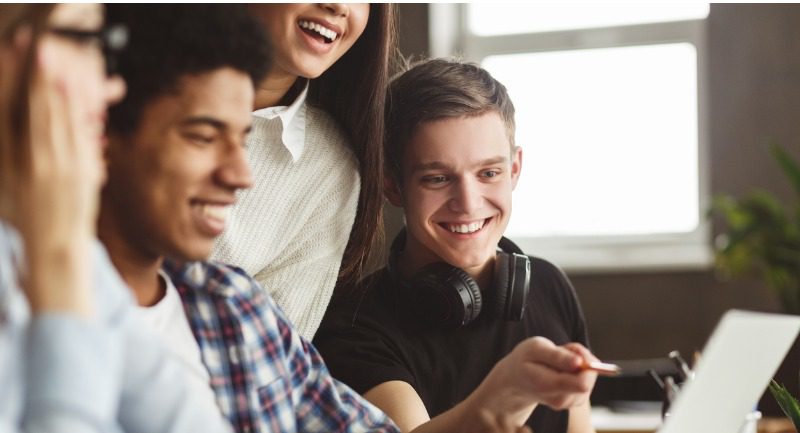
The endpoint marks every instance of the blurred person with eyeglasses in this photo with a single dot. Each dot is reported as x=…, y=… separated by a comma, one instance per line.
x=73, y=357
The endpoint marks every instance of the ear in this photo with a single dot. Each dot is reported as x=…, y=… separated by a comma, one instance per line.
x=516, y=166
x=392, y=191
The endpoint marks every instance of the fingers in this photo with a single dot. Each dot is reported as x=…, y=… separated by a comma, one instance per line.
x=554, y=375
x=545, y=352
x=582, y=351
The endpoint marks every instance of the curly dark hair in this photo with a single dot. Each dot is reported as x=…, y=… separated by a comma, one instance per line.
x=169, y=41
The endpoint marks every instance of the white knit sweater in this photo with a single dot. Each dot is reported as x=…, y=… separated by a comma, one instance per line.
x=290, y=229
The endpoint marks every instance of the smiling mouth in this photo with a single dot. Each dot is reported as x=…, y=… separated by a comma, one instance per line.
x=318, y=31
x=470, y=228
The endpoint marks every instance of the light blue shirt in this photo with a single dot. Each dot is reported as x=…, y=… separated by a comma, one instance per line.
x=60, y=373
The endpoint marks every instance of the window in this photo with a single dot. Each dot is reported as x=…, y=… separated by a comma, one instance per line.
x=610, y=116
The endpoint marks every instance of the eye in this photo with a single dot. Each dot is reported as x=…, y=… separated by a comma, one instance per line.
x=491, y=173
x=200, y=138
x=434, y=179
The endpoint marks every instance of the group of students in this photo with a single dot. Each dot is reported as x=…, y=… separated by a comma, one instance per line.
x=264, y=137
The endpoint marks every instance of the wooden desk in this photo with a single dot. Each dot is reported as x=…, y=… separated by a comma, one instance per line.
x=606, y=421
x=766, y=425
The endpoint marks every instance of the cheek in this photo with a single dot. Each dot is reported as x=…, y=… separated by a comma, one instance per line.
x=84, y=78
x=359, y=16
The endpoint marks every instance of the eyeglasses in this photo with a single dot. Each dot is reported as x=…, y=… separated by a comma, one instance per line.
x=111, y=39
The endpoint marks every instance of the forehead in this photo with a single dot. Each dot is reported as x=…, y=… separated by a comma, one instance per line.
x=458, y=141
x=77, y=14
x=224, y=94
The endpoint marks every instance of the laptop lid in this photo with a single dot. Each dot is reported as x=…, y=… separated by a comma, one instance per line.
x=739, y=360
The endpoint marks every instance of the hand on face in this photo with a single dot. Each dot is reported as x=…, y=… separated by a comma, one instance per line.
x=54, y=189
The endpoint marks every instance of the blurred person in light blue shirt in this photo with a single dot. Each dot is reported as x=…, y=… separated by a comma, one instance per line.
x=72, y=356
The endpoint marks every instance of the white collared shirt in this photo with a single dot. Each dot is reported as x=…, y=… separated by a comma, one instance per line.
x=293, y=119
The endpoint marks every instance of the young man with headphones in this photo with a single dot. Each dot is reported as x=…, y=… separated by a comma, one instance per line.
x=459, y=314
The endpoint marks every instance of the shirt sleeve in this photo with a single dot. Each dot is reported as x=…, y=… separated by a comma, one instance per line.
x=320, y=402
x=566, y=300
x=71, y=379
x=360, y=353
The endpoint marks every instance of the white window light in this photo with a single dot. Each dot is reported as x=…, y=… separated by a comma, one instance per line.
x=610, y=115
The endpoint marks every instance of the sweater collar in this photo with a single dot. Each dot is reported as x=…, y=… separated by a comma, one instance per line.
x=293, y=119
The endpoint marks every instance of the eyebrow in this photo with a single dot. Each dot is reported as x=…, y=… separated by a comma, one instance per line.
x=210, y=121
x=439, y=165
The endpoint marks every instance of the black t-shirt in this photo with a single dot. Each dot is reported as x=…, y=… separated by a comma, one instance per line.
x=368, y=339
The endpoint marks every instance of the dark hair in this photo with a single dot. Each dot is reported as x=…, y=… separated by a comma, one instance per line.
x=437, y=89
x=353, y=91
x=169, y=41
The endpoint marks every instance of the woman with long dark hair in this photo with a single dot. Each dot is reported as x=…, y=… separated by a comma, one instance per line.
x=314, y=213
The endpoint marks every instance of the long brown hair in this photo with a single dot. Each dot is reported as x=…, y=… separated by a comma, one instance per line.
x=353, y=91
x=14, y=96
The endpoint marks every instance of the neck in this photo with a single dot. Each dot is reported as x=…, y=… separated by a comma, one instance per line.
x=138, y=269
x=277, y=89
x=416, y=256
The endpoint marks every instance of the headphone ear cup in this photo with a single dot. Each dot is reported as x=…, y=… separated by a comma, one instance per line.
x=520, y=276
x=445, y=295
x=502, y=286
x=512, y=274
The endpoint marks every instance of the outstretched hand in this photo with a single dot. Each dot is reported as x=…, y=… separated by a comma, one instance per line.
x=537, y=372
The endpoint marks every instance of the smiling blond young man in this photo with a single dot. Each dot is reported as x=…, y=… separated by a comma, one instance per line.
x=459, y=312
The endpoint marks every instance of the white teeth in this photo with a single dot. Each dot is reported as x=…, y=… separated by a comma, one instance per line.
x=466, y=228
x=324, y=31
x=215, y=211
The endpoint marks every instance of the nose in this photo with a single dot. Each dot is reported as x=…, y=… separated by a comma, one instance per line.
x=114, y=88
x=466, y=197
x=338, y=9
x=234, y=173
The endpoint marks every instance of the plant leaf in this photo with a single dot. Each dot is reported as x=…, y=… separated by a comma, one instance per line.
x=787, y=402
x=788, y=165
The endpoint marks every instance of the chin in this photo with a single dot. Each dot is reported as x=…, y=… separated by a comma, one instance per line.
x=194, y=254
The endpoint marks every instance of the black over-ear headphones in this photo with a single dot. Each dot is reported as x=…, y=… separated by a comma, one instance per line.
x=441, y=294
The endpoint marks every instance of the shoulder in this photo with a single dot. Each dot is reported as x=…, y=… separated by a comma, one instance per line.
x=211, y=277
x=325, y=134
x=216, y=289
x=551, y=286
x=364, y=302
x=367, y=310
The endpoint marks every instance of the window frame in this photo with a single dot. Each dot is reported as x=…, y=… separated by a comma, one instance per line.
x=449, y=36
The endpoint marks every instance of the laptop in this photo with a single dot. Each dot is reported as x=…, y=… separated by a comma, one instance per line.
x=740, y=358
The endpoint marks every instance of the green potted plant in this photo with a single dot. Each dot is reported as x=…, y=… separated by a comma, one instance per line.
x=787, y=402
x=762, y=236
x=762, y=239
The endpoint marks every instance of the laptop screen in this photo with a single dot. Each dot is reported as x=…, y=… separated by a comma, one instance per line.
x=736, y=366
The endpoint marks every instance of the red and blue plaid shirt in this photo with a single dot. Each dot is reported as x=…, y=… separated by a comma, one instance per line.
x=265, y=376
